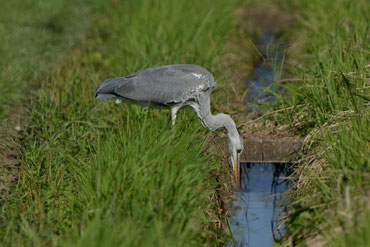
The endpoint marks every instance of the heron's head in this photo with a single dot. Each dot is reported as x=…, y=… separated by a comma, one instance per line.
x=236, y=148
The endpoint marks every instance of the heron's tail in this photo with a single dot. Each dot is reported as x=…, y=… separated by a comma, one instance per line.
x=106, y=89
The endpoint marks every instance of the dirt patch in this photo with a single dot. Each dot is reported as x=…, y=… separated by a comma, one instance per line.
x=11, y=132
x=257, y=149
x=267, y=20
x=261, y=147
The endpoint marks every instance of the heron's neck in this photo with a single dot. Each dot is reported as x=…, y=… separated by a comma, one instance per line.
x=218, y=121
x=215, y=122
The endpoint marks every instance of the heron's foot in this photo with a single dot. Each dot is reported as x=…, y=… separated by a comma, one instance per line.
x=118, y=101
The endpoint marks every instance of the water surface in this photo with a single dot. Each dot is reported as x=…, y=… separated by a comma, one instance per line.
x=257, y=212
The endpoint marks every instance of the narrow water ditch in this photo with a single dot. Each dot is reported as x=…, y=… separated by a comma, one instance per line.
x=257, y=211
x=259, y=207
x=266, y=72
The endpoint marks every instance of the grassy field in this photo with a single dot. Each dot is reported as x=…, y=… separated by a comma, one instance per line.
x=98, y=174
x=92, y=173
x=329, y=107
x=35, y=36
x=33, y=39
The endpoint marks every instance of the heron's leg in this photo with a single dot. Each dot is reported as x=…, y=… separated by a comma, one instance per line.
x=174, y=111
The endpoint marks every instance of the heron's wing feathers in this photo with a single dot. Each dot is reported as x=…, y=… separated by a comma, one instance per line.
x=106, y=89
x=169, y=84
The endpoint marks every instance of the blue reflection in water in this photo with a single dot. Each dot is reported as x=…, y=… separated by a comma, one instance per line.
x=257, y=211
x=265, y=73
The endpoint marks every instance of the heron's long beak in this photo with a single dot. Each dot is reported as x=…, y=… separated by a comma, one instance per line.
x=236, y=166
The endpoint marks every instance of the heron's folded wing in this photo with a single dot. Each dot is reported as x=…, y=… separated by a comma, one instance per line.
x=165, y=84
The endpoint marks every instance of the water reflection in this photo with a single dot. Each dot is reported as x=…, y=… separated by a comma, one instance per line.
x=257, y=212
x=261, y=87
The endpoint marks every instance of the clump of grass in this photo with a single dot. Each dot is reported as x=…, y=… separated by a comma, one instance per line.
x=95, y=173
x=330, y=108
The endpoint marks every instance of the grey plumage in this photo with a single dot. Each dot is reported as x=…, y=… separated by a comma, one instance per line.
x=175, y=86
x=160, y=86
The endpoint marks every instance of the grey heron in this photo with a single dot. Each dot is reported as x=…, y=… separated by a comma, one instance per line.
x=175, y=86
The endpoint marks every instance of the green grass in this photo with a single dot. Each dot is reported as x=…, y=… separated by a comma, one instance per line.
x=95, y=173
x=35, y=36
x=99, y=174
x=330, y=107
